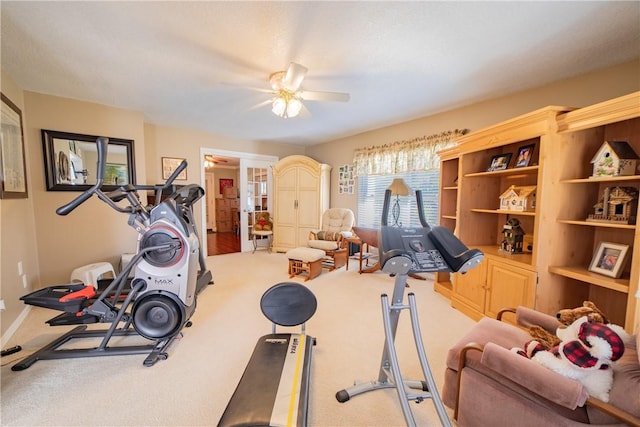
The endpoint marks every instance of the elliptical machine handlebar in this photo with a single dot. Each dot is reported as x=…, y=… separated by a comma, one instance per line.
x=428, y=249
x=101, y=144
x=385, y=207
x=119, y=194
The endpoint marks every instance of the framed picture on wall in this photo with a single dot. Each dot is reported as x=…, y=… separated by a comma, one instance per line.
x=169, y=165
x=13, y=164
x=224, y=183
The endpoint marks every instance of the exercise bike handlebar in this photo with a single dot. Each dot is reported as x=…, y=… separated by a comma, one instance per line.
x=101, y=144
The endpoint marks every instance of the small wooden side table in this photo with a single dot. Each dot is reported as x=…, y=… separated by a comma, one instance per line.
x=362, y=247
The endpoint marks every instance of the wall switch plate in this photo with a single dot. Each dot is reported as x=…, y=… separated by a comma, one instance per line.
x=2, y=306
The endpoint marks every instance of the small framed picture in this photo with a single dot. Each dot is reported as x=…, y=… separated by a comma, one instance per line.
x=499, y=162
x=524, y=156
x=609, y=259
x=169, y=165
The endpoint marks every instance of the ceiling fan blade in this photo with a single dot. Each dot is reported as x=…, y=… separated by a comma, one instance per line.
x=260, y=104
x=256, y=89
x=304, y=112
x=324, y=96
x=294, y=76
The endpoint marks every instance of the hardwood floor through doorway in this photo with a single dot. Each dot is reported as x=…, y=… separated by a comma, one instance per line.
x=222, y=243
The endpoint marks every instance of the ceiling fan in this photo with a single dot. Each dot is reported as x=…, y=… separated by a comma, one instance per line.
x=210, y=161
x=288, y=95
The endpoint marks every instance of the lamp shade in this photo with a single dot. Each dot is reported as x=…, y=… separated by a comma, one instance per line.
x=399, y=188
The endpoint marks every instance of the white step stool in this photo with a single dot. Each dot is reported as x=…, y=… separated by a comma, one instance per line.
x=89, y=274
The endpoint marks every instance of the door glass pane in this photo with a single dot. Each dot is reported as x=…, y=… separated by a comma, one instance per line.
x=257, y=194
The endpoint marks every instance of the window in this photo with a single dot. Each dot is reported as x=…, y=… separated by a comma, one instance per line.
x=371, y=190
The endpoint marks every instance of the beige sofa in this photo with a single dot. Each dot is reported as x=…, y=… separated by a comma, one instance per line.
x=488, y=385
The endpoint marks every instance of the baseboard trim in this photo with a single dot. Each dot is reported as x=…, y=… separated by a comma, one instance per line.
x=14, y=326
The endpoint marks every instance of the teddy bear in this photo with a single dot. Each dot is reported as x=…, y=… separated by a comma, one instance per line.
x=567, y=316
x=263, y=222
x=585, y=353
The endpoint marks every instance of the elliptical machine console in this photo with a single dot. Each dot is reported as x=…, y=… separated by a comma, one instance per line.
x=429, y=249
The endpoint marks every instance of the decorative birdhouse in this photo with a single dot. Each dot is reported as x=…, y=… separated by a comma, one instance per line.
x=617, y=204
x=520, y=199
x=513, y=236
x=615, y=158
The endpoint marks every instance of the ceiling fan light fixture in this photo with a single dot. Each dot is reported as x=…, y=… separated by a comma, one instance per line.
x=286, y=105
x=293, y=107
x=279, y=107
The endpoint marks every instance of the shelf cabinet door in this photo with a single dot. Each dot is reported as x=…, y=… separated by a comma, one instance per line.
x=469, y=291
x=508, y=286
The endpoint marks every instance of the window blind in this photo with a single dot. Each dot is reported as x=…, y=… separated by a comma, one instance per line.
x=371, y=190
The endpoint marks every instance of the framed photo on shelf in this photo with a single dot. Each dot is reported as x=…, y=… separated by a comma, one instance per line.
x=169, y=165
x=524, y=156
x=499, y=162
x=609, y=259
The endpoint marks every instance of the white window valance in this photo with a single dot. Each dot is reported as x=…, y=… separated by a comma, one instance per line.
x=418, y=154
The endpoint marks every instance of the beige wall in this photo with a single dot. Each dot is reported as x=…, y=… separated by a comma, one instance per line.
x=18, y=241
x=163, y=141
x=576, y=92
x=92, y=232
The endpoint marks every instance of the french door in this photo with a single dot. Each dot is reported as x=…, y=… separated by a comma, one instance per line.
x=256, y=186
x=255, y=183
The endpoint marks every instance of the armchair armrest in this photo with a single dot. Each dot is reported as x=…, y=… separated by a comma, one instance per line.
x=528, y=374
x=527, y=317
x=618, y=413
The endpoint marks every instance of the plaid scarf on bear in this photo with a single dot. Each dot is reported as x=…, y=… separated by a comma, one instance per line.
x=578, y=352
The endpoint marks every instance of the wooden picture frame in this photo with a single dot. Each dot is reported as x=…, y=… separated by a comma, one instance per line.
x=169, y=165
x=499, y=162
x=609, y=259
x=525, y=153
x=13, y=165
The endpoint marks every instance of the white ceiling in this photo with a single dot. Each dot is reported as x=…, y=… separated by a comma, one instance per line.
x=184, y=64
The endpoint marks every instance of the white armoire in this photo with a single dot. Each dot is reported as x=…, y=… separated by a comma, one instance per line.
x=300, y=196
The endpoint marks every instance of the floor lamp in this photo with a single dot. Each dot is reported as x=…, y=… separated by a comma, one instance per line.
x=398, y=188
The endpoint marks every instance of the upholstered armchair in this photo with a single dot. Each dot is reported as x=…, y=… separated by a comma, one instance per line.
x=335, y=227
x=488, y=385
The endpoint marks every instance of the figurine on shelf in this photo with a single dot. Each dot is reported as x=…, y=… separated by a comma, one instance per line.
x=513, y=236
x=521, y=199
x=615, y=158
x=617, y=204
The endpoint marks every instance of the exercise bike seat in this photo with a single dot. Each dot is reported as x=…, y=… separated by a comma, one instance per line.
x=274, y=388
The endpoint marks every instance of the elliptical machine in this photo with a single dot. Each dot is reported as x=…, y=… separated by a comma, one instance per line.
x=404, y=251
x=169, y=273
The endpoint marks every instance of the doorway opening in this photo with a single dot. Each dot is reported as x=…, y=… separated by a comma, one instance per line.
x=237, y=185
